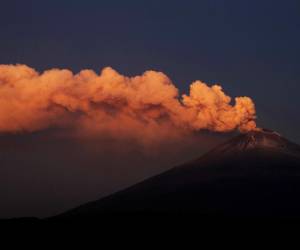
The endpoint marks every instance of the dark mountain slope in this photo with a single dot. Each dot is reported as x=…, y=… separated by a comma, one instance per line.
x=253, y=175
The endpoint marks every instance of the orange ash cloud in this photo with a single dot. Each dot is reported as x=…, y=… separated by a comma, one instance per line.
x=145, y=107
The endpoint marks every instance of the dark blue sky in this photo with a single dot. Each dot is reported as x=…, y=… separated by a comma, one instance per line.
x=250, y=47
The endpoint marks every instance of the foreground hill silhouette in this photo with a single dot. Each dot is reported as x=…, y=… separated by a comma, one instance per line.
x=256, y=174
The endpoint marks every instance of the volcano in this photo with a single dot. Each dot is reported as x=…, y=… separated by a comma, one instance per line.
x=256, y=174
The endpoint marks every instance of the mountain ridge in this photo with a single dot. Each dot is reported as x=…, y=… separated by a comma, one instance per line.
x=263, y=139
x=253, y=174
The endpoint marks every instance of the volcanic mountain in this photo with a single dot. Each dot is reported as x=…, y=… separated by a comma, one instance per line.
x=256, y=174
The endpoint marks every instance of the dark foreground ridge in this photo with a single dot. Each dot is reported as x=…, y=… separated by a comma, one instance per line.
x=254, y=175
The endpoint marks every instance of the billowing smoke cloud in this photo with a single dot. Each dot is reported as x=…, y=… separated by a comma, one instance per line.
x=146, y=107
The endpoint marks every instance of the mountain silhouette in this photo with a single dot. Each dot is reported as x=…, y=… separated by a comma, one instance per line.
x=256, y=174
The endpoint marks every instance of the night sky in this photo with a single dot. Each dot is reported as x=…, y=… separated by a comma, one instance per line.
x=250, y=47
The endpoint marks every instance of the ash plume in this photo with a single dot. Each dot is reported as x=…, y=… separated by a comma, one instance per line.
x=146, y=107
